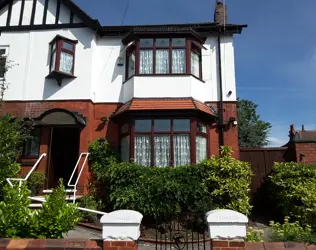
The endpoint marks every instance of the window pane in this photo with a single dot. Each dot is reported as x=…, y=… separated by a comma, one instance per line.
x=53, y=62
x=162, y=42
x=162, y=61
x=201, y=149
x=66, y=62
x=201, y=127
x=32, y=144
x=3, y=61
x=125, y=149
x=181, y=125
x=146, y=62
x=143, y=126
x=178, y=61
x=162, y=125
x=131, y=65
x=68, y=46
x=162, y=150
x=124, y=128
x=145, y=43
x=142, y=150
x=2, y=52
x=181, y=147
x=178, y=42
x=195, y=64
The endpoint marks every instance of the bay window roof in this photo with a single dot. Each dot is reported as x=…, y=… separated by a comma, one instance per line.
x=162, y=104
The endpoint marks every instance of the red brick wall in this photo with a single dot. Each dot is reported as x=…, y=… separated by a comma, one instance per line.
x=307, y=150
x=95, y=127
x=231, y=132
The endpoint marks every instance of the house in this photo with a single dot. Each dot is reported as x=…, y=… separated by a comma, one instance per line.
x=163, y=95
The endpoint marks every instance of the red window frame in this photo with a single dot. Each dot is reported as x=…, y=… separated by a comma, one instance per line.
x=188, y=47
x=193, y=132
x=59, y=49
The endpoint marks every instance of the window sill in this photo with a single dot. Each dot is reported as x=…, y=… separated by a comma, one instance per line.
x=59, y=76
x=164, y=75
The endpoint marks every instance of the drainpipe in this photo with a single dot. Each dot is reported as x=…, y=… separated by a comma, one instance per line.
x=220, y=106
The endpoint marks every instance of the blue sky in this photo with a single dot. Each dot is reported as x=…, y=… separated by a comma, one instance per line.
x=275, y=56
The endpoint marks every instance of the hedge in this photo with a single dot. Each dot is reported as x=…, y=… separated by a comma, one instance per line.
x=292, y=188
x=220, y=182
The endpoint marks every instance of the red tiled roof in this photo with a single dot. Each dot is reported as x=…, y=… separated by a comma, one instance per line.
x=163, y=104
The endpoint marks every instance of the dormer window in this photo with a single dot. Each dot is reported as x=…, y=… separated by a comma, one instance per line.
x=164, y=56
x=62, y=58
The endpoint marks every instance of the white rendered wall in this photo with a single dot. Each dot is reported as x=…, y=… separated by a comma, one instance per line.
x=99, y=78
x=29, y=51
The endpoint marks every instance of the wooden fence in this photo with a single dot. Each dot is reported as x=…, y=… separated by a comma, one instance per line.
x=262, y=160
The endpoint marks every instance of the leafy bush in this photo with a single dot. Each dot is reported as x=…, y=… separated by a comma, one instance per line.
x=221, y=182
x=56, y=216
x=12, y=133
x=254, y=235
x=101, y=156
x=228, y=182
x=293, y=232
x=293, y=189
x=36, y=182
x=18, y=221
x=89, y=201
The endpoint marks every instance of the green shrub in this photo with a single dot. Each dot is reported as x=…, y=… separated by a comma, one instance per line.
x=101, y=156
x=229, y=181
x=291, y=231
x=158, y=191
x=293, y=189
x=254, y=235
x=36, y=182
x=221, y=182
x=89, y=201
x=18, y=221
x=12, y=133
x=57, y=216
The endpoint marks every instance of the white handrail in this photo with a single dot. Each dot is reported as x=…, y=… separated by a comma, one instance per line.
x=79, y=175
x=28, y=175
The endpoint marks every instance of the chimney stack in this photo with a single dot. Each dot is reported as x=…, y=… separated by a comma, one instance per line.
x=220, y=15
x=292, y=132
x=303, y=128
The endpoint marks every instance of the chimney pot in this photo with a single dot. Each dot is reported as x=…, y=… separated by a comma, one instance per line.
x=303, y=128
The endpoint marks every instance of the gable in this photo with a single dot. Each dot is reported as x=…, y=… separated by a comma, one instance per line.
x=37, y=14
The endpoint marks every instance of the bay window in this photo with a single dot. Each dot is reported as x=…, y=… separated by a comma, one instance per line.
x=62, y=55
x=164, y=142
x=163, y=56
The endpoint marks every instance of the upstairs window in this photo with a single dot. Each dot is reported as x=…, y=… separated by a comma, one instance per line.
x=62, y=55
x=163, y=56
x=3, y=60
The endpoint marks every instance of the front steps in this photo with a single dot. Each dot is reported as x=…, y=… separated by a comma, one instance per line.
x=38, y=204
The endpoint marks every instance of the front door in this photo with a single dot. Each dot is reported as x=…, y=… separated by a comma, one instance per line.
x=64, y=153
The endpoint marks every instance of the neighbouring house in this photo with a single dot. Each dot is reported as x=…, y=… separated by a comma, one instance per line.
x=163, y=95
x=302, y=145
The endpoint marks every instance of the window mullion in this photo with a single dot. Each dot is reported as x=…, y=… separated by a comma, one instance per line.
x=132, y=140
x=137, y=58
x=188, y=56
x=171, y=145
x=208, y=142
x=154, y=57
x=193, y=141
x=170, y=56
x=152, y=144
x=58, y=49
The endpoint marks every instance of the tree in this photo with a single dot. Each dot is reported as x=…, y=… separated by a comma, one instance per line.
x=252, y=132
